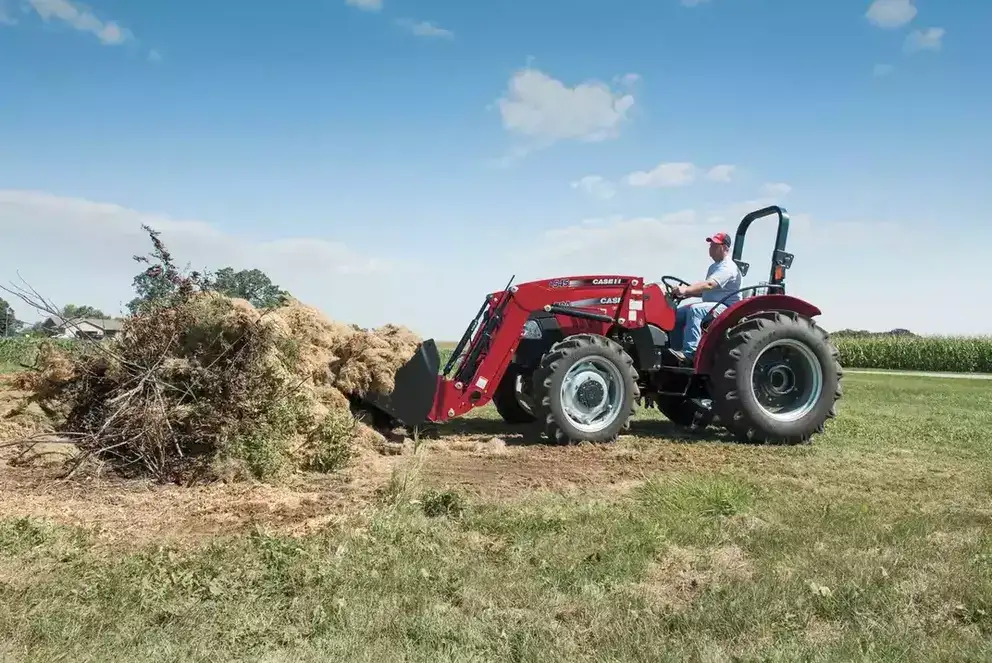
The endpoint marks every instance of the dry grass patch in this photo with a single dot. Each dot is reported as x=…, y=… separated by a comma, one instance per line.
x=683, y=573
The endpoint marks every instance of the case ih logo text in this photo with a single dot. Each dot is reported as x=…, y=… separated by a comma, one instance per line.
x=592, y=301
x=607, y=281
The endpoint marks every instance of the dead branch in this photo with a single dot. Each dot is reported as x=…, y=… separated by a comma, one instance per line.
x=30, y=296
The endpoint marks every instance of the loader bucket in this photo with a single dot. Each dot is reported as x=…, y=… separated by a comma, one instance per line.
x=412, y=399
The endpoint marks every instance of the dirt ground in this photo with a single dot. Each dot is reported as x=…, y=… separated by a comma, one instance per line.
x=476, y=455
x=32, y=485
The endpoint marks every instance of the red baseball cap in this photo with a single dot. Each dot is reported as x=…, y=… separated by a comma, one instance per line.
x=720, y=238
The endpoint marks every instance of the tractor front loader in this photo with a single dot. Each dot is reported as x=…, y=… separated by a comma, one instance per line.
x=576, y=355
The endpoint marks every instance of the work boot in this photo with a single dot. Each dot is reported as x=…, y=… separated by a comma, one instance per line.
x=681, y=357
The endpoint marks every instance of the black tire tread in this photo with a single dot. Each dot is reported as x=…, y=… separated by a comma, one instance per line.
x=738, y=347
x=548, y=368
x=505, y=399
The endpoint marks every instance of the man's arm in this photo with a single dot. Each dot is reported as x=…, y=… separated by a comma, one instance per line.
x=698, y=288
x=719, y=279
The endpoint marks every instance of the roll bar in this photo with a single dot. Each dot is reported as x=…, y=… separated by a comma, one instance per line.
x=781, y=259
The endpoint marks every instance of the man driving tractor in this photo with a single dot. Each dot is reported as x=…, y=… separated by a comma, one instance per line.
x=722, y=278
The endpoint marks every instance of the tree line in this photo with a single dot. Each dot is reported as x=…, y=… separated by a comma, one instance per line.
x=154, y=285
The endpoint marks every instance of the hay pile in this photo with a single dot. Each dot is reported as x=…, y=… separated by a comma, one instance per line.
x=209, y=387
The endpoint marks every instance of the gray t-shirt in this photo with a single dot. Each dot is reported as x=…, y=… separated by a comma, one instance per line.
x=728, y=279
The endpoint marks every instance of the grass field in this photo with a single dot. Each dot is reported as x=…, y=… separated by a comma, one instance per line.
x=873, y=544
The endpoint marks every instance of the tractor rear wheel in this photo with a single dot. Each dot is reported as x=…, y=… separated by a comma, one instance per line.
x=586, y=390
x=777, y=379
x=508, y=399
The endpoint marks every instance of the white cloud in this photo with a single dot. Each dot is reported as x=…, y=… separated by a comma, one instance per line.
x=596, y=186
x=598, y=221
x=5, y=16
x=366, y=5
x=79, y=18
x=931, y=39
x=512, y=155
x=883, y=69
x=425, y=29
x=721, y=173
x=891, y=14
x=545, y=110
x=678, y=174
x=74, y=250
x=693, y=3
x=664, y=175
x=154, y=56
x=618, y=243
x=79, y=251
x=627, y=80
x=675, y=244
x=776, y=189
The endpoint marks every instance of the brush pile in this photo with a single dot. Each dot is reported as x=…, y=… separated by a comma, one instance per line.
x=204, y=386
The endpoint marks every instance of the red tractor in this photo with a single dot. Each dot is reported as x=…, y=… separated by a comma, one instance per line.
x=575, y=355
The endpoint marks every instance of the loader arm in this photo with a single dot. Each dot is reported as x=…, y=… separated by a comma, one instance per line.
x=423, y=392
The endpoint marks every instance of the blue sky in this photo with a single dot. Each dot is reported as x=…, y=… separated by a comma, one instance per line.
x=395, y=160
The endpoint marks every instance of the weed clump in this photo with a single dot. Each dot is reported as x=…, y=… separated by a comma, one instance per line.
x=202, y=385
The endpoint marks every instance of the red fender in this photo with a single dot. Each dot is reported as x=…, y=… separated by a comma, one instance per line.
x=710, y=341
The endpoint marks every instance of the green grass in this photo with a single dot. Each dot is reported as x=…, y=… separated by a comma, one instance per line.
x=874, y=544
x=17, y=351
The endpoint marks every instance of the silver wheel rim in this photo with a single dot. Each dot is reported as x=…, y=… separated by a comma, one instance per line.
x=787, y=380
x=592, y=394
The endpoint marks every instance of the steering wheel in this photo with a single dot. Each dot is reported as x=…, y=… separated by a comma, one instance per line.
x=668, y=287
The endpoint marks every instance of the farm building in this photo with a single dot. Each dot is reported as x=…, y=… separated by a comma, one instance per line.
x=81, y=327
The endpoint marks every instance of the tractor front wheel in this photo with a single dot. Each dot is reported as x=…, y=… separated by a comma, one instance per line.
x=777, y=379
x=586, y=390
x=510, y=398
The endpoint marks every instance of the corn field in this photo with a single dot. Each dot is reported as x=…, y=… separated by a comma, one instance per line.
x=917, y=353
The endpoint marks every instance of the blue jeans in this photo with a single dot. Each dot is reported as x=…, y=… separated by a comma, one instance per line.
x=686, y=335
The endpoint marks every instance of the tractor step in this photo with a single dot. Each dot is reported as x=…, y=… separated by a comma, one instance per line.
x=681, y=363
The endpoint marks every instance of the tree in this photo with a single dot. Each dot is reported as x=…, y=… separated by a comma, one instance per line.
x=9, y=324
x=153, y=287
x=74, y=312
x=161, y=284
x=250, y=284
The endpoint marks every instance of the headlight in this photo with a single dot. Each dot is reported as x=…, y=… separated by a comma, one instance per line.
x=531, y=330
